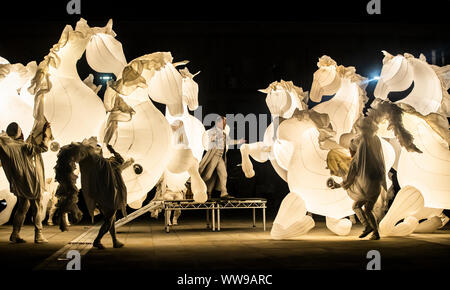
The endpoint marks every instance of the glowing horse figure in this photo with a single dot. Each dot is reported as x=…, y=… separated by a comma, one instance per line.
x=14, y=109
x=283, y=99
x=313, y=134
x=187, y=134
x=424, y=177
x=307, y=138
x=190, y=131
x=71, y=105
x=136, y=128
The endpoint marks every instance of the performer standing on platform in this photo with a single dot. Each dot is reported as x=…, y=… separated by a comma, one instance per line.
x=24, y=168
x=212, y=167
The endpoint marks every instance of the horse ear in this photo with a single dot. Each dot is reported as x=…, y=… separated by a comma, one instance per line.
x=422, y=57
x=385, y=53
x=387, y=56
x=109, y=24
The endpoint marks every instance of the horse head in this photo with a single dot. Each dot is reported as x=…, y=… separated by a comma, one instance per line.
x=189, y=89
x=429, y=94
x=348, y=88
x=396, y=75
x=326, y=80
x=284, y=97
x=104, y=53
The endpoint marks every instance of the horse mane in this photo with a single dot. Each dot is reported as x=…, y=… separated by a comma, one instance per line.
x=393, y=113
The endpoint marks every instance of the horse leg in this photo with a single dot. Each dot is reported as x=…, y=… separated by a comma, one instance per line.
x=258, y=151
x=198, y=186
x=340, y=227
x=247, y=166
x=291, y=220
x=407, y=202
x=104, y=229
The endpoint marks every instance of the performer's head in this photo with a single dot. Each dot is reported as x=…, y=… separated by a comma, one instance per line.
x=14, y=131
x=221, y=122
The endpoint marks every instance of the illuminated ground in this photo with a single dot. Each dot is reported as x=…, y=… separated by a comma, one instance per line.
x=238, y=246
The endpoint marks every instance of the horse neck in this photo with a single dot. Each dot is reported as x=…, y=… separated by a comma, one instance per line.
x=68, y=57
x=346, y=102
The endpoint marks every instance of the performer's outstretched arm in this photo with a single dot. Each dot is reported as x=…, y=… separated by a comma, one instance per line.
x=117, y=156
x=32, y=148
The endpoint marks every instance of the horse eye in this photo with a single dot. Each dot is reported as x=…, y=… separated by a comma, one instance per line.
x=138, y=169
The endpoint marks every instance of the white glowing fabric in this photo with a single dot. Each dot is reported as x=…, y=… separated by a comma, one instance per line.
x=347, y=104
x=407, y=202
x=428, y=94
x=166, y=87
x=283, y=98
x=280, y=154
x=299, y=156
x=13, y=108
x=73, y=109
x=16, y=108
x=423, y=177
x=104, y=53
x=429, y=172
x=10, y=198
x=307, y=173
x=194, y=131
x=189, y=89
x=3, y=60
x=291, y=220
x=147, y=139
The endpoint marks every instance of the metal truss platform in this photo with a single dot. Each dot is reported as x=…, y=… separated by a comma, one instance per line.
x=242, y=203
x=212, y=207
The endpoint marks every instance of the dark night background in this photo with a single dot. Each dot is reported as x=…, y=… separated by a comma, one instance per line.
x=241, y=47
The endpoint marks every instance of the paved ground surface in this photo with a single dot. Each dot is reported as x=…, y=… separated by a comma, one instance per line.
x=238, y=246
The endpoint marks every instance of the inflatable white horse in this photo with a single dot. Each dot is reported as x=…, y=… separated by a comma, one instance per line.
x=307, y=137
x=71, y=105
x=424, y=178
x=135, y=127
x=189, y=132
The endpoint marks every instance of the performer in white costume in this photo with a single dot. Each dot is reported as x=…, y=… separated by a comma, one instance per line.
x=213, y=168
